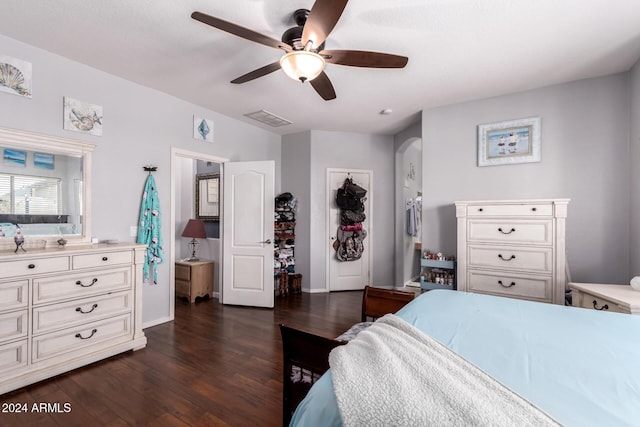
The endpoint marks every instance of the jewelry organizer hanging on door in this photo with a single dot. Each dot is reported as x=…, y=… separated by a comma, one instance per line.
x=350, y=234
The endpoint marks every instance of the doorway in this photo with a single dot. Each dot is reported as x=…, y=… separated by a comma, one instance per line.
x=408, y=231
x=183, y=178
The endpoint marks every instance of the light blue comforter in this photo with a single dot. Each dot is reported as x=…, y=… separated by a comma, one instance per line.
x=580, y=366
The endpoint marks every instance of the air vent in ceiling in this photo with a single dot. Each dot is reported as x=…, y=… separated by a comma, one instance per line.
x=268, y=118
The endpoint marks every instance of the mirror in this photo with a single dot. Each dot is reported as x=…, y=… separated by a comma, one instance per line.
x=44, y=188
x=208, y=196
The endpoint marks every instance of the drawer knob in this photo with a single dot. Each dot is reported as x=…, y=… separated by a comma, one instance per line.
x=93, y=282
x=31, y=266
x=604, y=307
x=93, y=307
x=104, y=258
x=506, y=286
x=534, y=209
x=480, y=209
x=506, y=259
x=79, y=335
x=506, y=232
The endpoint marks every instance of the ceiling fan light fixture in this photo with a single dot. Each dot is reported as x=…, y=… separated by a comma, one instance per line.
x=302, y=65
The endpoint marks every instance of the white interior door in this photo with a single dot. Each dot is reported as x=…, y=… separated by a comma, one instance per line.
x=248, y=199
x=348, y=275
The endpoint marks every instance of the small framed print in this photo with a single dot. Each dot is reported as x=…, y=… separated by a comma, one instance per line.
x=509, y=142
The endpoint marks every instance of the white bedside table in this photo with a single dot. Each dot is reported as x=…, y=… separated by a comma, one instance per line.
x=616, y=298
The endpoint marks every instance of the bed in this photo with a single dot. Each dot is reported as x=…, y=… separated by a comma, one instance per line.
x=580, y=367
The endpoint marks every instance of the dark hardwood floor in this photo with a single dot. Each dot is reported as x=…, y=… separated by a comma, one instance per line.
x=214, y=365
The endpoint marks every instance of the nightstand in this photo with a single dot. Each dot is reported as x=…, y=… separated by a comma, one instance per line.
x=616, y=298
x=194, y=279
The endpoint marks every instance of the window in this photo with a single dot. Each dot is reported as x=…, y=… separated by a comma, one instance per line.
x=29, y=195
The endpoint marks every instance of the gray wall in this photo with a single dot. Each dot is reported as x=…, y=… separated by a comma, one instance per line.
x=296, y=179
x=140, y=127
x=357, y=151
x=585, y=157
x=634, y=158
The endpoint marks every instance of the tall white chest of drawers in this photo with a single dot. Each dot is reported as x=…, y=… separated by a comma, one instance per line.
x=513, y=248
x=64, y=308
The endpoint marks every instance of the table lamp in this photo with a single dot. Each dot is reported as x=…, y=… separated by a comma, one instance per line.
x=195, y=230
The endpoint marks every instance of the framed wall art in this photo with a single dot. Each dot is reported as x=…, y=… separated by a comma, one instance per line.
x=14, y=157
x=15, y=76
x=202, y=129
x=82, y=117
x=509, y=142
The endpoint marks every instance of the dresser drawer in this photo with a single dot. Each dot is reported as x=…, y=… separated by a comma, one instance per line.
x=13, y=295
x=183, y=272
x=79, y=337
x=183, y=288
x=511, y=285
x=511, y=231
x=13, y=356
x=34, y=266
x=516, y=209
x=598, y=303
x=56, y=316
x=512, y=258
x=102, y=259
x=13, y=325
x=80, y=284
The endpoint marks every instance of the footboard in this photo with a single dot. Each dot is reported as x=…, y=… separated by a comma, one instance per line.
x=305, y=359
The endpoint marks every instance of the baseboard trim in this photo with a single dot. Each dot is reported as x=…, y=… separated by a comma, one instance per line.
x=156, y=322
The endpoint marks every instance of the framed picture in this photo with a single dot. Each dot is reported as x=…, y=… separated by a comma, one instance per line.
x=15, y=76
x=202, y=129
x=82, y=117
x=43, y=160
x=15, y=157
x=510, y=142
x=208, y=196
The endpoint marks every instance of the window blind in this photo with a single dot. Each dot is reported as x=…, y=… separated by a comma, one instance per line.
x=29, y=195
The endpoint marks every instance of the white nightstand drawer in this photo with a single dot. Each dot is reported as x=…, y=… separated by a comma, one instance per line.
x=34, y=266
x=55, y=316
x=511, y=231
x=512, y=258
x=80, y=337
x=80, y=284
x=14, y=295
x=13, y=325
x=598, y=303
x=606, y=297
x=505, y=209
x=101, y=259
x=511, y=285
x=13, y=356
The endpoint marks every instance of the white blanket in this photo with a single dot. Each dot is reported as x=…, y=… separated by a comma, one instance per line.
x=392, y=374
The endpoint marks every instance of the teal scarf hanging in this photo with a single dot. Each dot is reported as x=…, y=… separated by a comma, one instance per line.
x=150, y=229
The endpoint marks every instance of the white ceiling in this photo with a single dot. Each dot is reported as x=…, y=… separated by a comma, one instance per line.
x=458, y=50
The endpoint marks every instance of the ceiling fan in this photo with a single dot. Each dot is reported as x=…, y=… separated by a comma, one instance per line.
x=305, y=57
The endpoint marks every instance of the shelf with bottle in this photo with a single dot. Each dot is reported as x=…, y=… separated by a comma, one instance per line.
x=437, y=274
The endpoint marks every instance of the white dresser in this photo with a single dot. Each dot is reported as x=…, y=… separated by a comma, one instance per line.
x=64, y=308
x=513, y=248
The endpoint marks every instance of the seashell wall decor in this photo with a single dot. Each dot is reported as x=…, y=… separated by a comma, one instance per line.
x=15, y=76
x=202, y=129
x=82, y=117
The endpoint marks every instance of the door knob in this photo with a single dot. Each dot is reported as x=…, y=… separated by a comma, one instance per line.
x=268, y=241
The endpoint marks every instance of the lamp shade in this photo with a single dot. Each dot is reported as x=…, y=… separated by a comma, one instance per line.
x=302, y=65
x=195, y=229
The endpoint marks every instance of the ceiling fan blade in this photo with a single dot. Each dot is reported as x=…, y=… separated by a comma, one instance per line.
x=322, y=19
x=239, y=31
x=323, y=86
x=362, y=58
x=263, y=71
